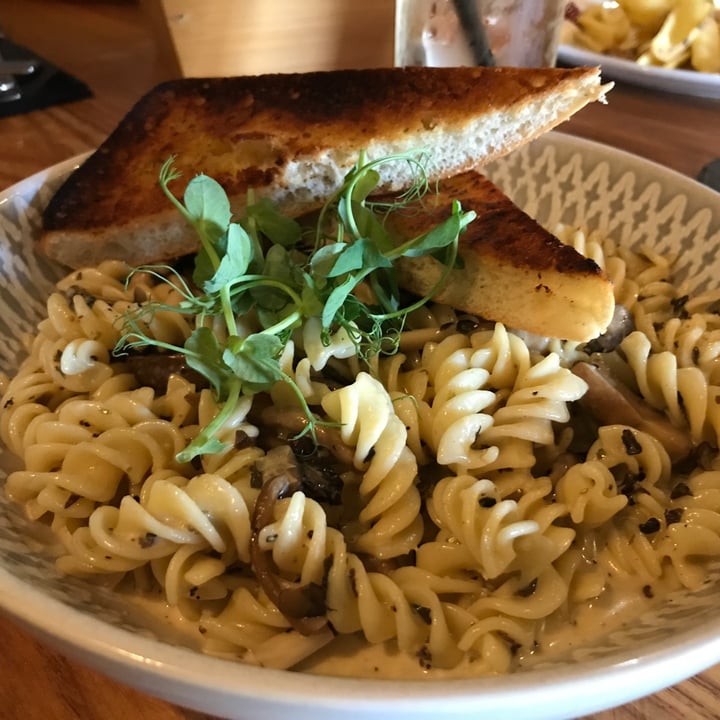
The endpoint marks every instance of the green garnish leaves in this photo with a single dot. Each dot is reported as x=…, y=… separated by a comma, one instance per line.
x=235, y=261
x=323, y=261
x=438, y=237
x=277, y=228
x=204, y=354
x=363, y=253
x=336, y=299
x=260, y=266
x=207, y=207
x=255, y=360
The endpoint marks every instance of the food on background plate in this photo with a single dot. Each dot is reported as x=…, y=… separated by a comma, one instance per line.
x=300, y=459
x=664, y=33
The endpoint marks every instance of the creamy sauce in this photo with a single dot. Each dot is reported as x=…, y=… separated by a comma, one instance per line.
x=351, y=656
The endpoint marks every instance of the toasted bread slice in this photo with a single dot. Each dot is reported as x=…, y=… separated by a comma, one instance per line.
x=515, y=271
x=293, y=138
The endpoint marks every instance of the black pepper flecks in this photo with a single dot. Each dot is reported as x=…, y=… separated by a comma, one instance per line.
x=627, y=483
x=632, y=446
x=680, y=490
x=678, y=306
x=673, y=515
x=424, y=613
x=650, y=526
x=425, y=658
x=147, y=540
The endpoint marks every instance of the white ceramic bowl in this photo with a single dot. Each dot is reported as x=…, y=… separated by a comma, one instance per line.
x=556, y=178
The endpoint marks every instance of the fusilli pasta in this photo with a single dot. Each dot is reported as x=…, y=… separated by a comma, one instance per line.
x=459, y=502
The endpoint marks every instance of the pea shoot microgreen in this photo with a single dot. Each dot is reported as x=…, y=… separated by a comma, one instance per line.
x=261, y=264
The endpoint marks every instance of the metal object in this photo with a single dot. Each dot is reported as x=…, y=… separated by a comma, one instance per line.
x=9, y=89
x=710, y=175
x=18, y=67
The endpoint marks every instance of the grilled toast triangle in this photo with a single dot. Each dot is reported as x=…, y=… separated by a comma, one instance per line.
x=515, y=271
x=292, y=138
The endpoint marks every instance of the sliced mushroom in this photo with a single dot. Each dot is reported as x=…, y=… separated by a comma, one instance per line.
x=153, y=369
x=562, y=464
x=703, y=456
x=613, y=403
x=302, y=605
x=289, y=422
x=279, y=465
x=621, y=325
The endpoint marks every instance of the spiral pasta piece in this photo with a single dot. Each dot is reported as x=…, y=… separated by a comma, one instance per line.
x=480, y=531
x=590, y=492
x=681, y=392
x=539, y=397
x=301, y=373
x=402, y=606
x=390, y=521
x=180, y=520
x=491, y=404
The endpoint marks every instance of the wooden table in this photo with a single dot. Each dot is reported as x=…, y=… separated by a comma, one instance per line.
x=113, y=49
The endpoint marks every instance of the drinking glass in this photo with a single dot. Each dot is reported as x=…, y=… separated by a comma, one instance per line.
x=441, y=33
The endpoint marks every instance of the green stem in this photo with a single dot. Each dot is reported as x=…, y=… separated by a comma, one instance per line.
x=312, y=420
x=380, y=293
x=287, y=322
x=167, y=175
x=464, y=220
x=448, y=266
x=213, y=427
x=228, y=313
x=251, y=281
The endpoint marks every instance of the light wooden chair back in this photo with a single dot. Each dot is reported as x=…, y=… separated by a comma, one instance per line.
x=204, y=38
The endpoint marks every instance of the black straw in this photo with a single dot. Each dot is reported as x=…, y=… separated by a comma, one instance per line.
x=474, y=29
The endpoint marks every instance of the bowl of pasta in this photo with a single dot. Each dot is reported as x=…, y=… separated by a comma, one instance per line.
x=567, y=557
